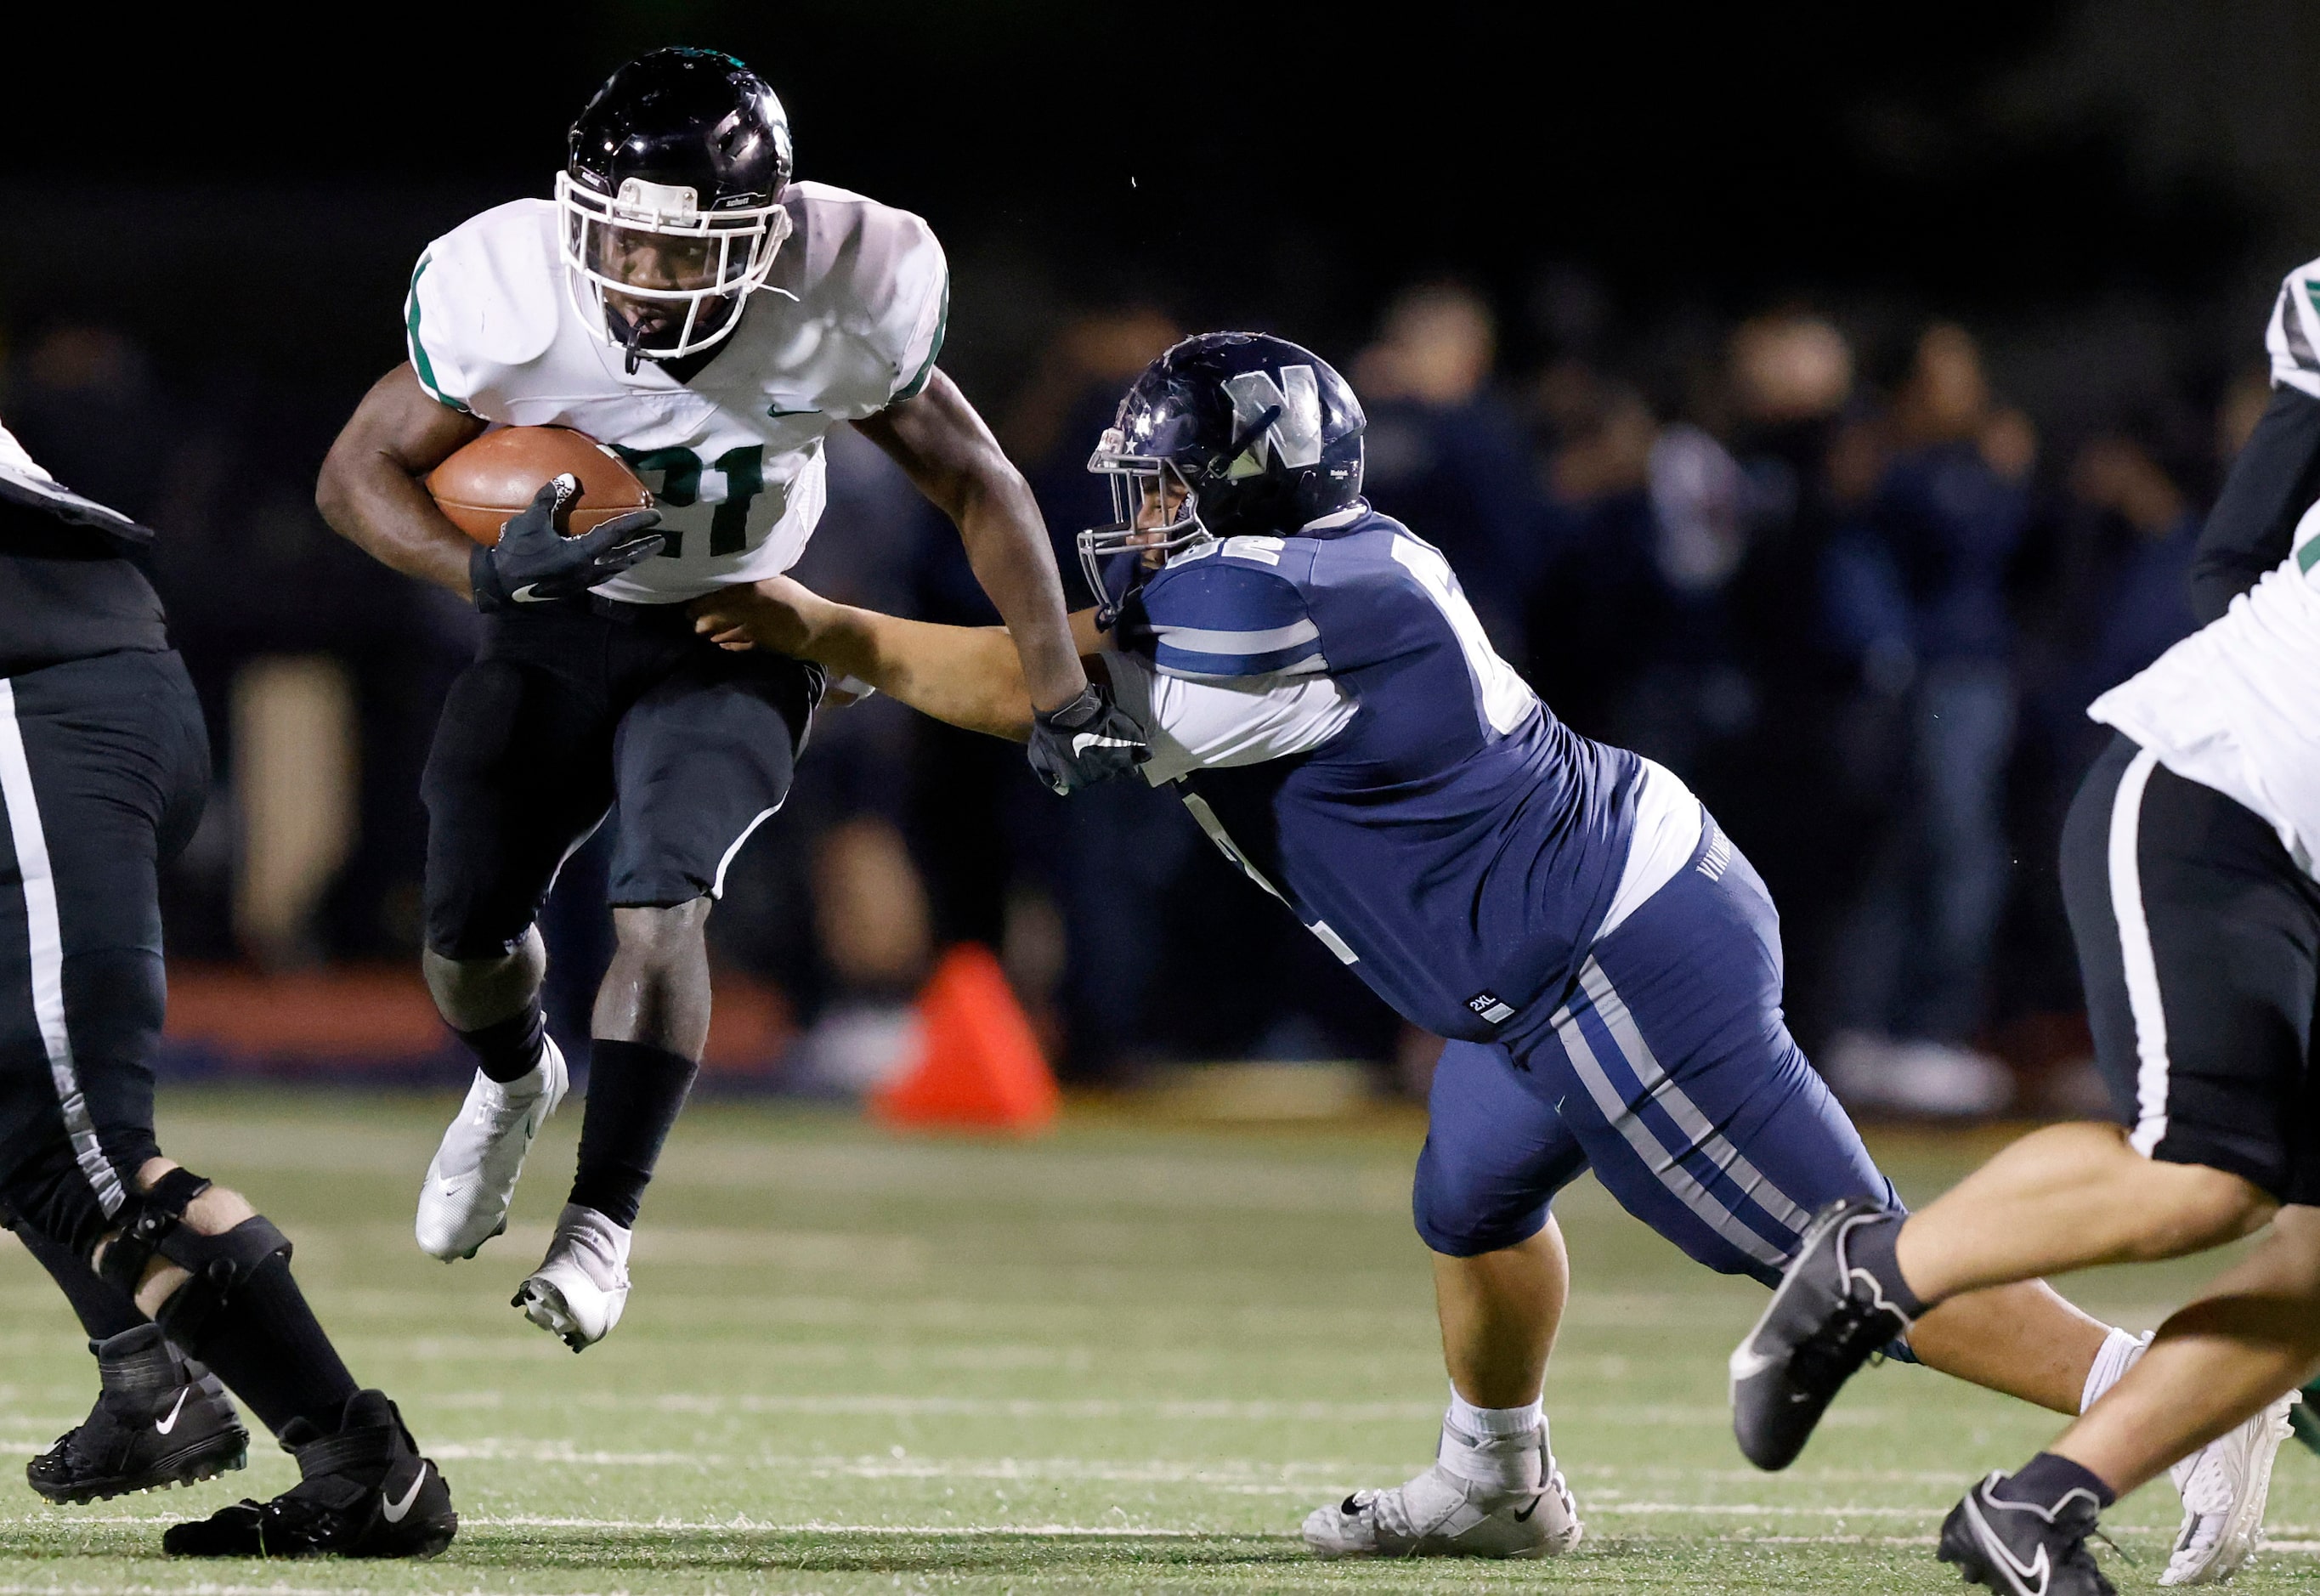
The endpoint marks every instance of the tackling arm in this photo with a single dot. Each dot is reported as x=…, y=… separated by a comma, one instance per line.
x=939, y=440
x=371, y=489
x=967, y=676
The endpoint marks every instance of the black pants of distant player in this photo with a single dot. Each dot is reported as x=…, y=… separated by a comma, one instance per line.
x=103, y=768
x=572, y=707
x=2199, y=936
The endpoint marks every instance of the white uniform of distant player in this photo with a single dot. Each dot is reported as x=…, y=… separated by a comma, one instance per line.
x=2235, y=706
x=848, y=323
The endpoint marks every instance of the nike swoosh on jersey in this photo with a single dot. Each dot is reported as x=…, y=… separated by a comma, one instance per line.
x=1089, y=740
x=525, y=595
x=393, y=1511
x=164, y=1426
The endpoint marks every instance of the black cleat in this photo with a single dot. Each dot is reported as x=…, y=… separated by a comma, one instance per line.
x=160, y=1420
x=362, y=1492
x=2020, y=1548
x=1827, y=1318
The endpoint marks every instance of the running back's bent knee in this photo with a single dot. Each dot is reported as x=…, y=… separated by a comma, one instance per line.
x=659, y=933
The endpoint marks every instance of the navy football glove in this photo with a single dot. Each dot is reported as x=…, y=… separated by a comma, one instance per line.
x=534, y=562
x=1089, y=740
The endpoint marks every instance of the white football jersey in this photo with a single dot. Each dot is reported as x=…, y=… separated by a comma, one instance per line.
x=849, y=321
x=2235, y=706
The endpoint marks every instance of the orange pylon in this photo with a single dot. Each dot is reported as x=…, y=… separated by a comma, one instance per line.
x=979, y=1066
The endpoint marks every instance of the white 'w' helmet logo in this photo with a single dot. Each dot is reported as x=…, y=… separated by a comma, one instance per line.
x=1293, y=435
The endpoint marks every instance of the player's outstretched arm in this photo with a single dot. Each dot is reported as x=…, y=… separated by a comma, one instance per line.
x=938, y=439
x=371, y=489
x=969, y=676
x=1078, y=734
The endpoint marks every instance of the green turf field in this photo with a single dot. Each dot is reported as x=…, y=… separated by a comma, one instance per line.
x=1124, y=1359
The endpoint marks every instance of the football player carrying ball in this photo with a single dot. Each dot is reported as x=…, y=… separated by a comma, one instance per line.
x=685, y=303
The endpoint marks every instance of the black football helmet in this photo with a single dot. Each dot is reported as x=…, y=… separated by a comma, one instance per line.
x=670, y=198
x=1259, y=435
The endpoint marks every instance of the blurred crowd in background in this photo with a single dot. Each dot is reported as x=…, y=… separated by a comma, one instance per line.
x=1816, y=561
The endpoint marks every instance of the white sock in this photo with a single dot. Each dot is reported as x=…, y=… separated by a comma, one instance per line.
x=2119, y=1354
x=1501, y=1448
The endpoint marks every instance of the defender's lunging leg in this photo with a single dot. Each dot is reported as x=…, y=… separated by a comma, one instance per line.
x=651, y=1023
x=1495, y=1156
x=1493, y=1489
x=2195, y=932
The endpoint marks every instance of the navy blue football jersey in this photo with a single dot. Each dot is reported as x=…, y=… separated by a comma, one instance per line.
x=1374, y=764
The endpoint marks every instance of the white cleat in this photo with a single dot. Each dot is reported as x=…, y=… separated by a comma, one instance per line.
x=2224, y=1486
x=464, y=1201
x=579, y=1289
x=1439, y=1515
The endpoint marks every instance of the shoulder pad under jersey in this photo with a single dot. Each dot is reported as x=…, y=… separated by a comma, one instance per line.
x=485, y=296
x=876, y=274
x=1226, y=610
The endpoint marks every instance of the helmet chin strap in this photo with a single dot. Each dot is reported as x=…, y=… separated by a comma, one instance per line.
x=635, y=342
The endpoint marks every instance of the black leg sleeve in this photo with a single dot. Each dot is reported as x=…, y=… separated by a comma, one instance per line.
x=634, y=1095
x=265, y=1343
x=103, y=1310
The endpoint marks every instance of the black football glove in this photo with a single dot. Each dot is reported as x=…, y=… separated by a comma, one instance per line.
x=1089, y=740
x=534, y=562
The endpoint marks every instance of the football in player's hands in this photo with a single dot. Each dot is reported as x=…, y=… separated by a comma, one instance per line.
x=483, y=486
x=539, y=558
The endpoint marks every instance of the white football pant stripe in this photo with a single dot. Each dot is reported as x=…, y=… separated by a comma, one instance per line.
x=46, y=936
x=1687, y=1114
x=717, y=887
x=2143, y=999
x=1664, y=1163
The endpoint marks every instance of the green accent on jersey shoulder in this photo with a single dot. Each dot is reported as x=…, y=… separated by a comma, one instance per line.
x=916, y=384
x=2308, y=556
x=419, y=360
x=2312, y=292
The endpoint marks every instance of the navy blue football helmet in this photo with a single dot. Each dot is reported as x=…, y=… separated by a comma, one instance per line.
x=1225, y=435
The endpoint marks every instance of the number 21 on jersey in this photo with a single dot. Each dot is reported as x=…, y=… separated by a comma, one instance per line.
x=735, y=478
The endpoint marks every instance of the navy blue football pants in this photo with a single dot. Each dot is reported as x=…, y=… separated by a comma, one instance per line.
x=1671, y=1074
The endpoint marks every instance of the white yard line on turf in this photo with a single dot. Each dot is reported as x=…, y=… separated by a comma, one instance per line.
x=1230, y=1474
x=1245, y=1412
x=820, y=1526
x=889, y=1467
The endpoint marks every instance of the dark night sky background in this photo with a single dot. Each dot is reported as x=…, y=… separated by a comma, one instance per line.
x=234, y=194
